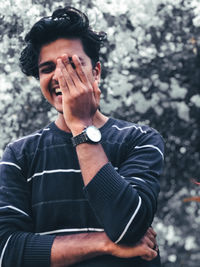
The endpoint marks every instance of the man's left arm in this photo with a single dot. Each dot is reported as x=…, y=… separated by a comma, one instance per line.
x=125, y=200
x=125, y=206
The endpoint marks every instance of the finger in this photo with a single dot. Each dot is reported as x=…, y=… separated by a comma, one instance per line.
x=151, y=235
x=79, y=69
x=69, y=65
x=152, y=231
x=72, y=72
x=66, y=76
x=156, y=248
x=61, y=81
x=150, y=255
x=67, y=68
x=149, y=242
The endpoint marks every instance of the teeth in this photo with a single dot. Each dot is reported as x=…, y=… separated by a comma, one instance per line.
x=58, y=90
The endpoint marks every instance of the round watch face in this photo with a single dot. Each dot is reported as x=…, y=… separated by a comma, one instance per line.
x=93, y=134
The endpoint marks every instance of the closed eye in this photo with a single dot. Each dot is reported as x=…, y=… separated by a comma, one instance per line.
x=46, y=67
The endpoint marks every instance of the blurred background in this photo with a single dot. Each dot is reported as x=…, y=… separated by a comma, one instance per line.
x=151, y=75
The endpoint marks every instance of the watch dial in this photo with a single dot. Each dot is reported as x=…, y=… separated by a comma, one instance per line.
x=93, y=134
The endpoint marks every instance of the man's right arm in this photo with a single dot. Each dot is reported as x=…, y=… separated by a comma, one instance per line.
x=18, y=242
x=68, y=250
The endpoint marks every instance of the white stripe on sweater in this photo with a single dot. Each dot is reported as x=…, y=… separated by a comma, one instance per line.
x=31, y=135
x=3, y=250
x=130, y=221
x=136, y=178
x=14, y=208
x=10, y=163
x=128, y=127
x=151, y=146
x=52, y=171
x=139, y=179
x=72, y=230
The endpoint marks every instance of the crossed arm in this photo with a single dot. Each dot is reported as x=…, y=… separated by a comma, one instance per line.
x=80, y=103
x=67, y=250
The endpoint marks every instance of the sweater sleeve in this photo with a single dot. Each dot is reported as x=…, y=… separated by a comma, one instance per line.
x=18, y=243
x=124, y=199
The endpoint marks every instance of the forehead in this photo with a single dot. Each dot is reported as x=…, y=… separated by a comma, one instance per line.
x=55, y=49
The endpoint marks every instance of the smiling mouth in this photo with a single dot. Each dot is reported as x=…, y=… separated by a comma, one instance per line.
x=58, y=91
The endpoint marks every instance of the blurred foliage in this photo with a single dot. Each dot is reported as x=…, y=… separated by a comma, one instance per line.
x=150, y=75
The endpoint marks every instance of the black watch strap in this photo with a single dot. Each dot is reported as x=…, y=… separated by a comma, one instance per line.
x=79, y=139
x=91, y=134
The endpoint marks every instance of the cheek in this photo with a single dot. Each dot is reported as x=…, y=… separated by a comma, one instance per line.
x=44, y=87
x=43, y=82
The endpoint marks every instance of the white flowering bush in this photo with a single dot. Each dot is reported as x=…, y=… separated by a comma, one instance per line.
x=151, y=75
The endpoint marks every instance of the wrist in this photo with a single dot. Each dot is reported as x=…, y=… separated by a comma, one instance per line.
x=77, y=128
x=105, y=244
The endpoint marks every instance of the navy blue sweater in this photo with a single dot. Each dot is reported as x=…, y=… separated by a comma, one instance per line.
x=42, y=193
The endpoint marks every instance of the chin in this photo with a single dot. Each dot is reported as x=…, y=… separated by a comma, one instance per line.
x=59, y=110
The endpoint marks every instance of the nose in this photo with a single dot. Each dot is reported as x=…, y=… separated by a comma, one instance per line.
x=54, y=81
x=54, y=76
x=56, y=72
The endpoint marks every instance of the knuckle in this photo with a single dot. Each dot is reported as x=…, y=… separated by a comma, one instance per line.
x=75, y=95
x=82, y=90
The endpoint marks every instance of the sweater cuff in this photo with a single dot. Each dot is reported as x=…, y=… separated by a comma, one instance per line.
x=38, y=251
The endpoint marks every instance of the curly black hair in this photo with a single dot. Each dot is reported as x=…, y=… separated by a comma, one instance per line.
x=66, y=23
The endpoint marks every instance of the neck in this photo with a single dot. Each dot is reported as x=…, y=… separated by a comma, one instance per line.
x=98, y=120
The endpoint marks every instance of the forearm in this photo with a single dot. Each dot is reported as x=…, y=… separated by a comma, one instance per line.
x=68, y=250
x=91, y=159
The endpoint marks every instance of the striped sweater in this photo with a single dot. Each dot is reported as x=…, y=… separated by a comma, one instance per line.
x=42, y=193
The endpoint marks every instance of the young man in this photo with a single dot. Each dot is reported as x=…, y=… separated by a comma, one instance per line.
x=83, y=190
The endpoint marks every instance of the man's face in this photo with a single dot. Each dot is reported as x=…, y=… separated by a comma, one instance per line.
x=48, y=63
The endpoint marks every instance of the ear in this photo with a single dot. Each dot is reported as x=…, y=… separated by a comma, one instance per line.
x=97, y=72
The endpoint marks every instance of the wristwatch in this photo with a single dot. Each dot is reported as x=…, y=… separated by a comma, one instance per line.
x=91, y=134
